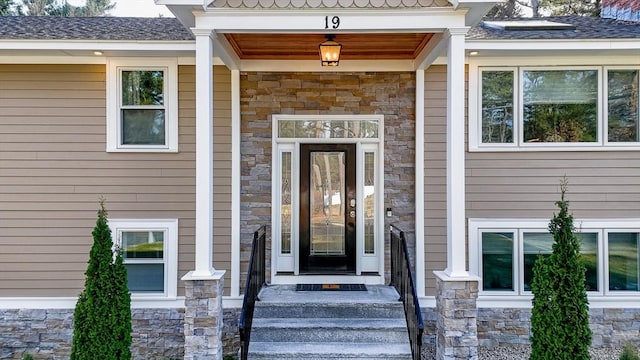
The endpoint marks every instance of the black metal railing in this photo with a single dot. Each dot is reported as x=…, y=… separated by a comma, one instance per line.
x=255, y=281
x=403, y=280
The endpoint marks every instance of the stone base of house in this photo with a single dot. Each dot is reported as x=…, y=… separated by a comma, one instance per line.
x=610, y=327
x=48, y=333
x=159, y=333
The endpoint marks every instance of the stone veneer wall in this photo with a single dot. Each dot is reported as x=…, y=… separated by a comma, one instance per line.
x=358, y=93
x=610, y=327
x=502, y=326
x=47, y=333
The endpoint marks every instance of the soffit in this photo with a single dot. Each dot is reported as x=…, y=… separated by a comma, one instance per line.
x=305, y=46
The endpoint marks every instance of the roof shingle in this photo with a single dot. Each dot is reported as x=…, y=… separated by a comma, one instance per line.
x=92, y=28
x=585, y=28
x=170, y=29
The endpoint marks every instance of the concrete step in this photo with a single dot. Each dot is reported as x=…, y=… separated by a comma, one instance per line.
x=327, y=350
x=322, y=325
x=389, y=310
x=348, y=330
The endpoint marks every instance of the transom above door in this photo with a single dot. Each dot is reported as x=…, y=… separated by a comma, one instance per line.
x=327, y=198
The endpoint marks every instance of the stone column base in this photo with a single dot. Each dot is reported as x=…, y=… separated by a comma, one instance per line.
x=203, y=317
x=456, y=312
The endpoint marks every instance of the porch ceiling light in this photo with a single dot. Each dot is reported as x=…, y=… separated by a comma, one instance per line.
x=330, y=52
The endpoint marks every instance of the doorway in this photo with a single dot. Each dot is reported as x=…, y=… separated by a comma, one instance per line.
x=327, y=208
x=327, y=199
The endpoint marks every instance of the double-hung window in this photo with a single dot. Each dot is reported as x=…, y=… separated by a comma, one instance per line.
x=504, y=251
x=533, y=107
x=149, y=252
x=142, y=100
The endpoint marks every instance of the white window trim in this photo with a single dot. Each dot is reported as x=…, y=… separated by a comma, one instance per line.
x=603, y=296
x=114, y=68
x=170, y=253
x=543, y=63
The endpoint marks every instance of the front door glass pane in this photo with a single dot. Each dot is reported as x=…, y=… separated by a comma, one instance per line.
x=369, y=203
x=327, y=203
x=285, y=210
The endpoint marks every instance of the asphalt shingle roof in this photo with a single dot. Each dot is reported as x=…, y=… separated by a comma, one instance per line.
x=91, y=28
x=119, y=28
x=585, y=28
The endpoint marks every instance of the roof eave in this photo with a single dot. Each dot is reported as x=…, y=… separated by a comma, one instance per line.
x=553, y=44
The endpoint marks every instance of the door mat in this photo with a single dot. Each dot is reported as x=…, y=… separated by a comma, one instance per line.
x=331, y=287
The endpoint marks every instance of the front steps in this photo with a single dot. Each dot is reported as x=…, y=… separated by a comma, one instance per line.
x=318, y=325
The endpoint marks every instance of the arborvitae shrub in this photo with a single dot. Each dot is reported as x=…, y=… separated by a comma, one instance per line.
x=102, y=317
x=560, y=314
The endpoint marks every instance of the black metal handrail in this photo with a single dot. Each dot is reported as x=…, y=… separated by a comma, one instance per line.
x=255, y=281
x=403, y=280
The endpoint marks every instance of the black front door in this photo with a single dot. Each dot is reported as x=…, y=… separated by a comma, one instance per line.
x=327, y=208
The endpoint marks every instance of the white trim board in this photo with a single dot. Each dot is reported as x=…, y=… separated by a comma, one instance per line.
x=225, y=20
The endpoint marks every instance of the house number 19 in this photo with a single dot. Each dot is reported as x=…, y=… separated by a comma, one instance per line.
x=334, y=22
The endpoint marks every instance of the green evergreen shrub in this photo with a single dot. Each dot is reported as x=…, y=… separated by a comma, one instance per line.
x=102, y=317
x=560, y=314
x=27, y=356
x=629, y=352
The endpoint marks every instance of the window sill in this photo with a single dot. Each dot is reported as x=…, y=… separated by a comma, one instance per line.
x=556, y=148
x=596, y=301
x=156, y=301
x=142, y=150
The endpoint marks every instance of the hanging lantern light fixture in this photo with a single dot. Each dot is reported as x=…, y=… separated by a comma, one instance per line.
x=330, y=51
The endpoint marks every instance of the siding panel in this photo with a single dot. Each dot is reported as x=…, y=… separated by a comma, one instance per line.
x=435, y=221
x=54, y=168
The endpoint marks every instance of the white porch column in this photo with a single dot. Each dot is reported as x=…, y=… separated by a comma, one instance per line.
x=203, y=320
x=456, y=290
x=419, y=192
x=204, y=154
x=456, y=251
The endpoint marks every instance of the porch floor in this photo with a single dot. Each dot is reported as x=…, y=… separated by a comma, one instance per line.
x=375, y=294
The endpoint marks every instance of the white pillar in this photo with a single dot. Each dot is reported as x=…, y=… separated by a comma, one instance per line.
x=235, y=182
x=204, y=154
x=456, y=250
x=420, y=265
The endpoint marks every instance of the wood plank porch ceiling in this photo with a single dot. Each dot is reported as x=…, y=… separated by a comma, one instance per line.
x=305, y=46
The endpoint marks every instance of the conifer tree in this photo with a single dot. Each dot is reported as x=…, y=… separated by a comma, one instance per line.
x=560, y=315
x=6, y=7
x=102, y=317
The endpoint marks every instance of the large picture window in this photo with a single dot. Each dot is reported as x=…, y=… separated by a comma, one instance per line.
x=504, y=251
x=541, y=107
x=560, y=105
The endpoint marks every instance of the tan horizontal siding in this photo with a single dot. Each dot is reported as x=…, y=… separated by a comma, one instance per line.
x=54, y=168
x=435, y=211
x=603, y=184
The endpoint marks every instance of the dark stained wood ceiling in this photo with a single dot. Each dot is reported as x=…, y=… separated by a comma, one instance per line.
x=305, y=46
